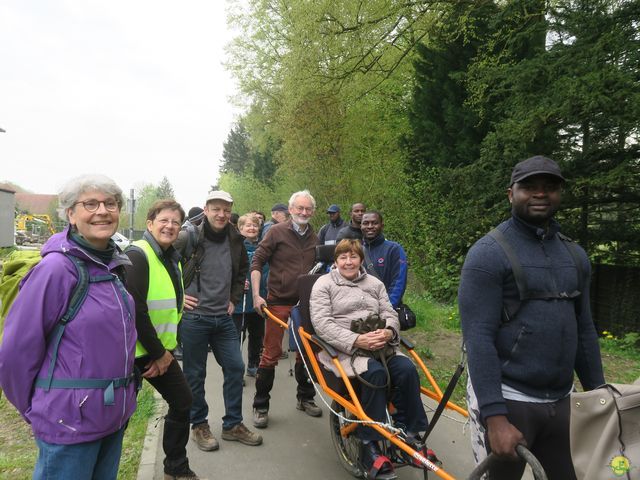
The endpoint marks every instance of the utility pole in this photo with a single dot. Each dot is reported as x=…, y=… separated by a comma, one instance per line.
x=132, y=210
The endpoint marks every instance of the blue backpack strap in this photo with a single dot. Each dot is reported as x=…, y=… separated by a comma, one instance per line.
x=78, y=296
x=108, y=384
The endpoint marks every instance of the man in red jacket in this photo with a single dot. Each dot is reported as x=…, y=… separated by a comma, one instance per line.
x=289, y=248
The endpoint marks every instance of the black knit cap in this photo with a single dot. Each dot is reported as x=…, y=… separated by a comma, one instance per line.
x=195, y=213
x=537, y=165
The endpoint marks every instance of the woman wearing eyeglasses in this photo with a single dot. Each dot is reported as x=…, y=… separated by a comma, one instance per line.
x=73, y=382
x=154, y=279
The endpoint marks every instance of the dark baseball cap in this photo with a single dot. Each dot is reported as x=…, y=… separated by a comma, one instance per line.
x=333, y=208
x=279, y=207
x=537, y=165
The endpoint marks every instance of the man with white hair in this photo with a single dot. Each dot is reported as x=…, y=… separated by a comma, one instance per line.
x=289, y=248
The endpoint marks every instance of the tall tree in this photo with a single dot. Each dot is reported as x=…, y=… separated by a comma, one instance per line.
x=235, y=150
x=165, y=190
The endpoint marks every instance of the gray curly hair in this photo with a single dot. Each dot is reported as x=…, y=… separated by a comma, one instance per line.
x=75, y=187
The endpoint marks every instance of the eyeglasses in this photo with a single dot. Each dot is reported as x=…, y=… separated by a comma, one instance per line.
x=165, y=221
x=93, y=205
x=303, y=209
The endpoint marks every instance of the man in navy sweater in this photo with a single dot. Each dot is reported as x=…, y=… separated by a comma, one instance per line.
x=521, y=365
x=385, y=259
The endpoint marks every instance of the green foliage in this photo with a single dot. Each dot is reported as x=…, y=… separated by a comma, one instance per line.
x=422, y=109
x=248, y=193
x=165, y=190
x=134, y=435
x=235, y=151
x=147, y=194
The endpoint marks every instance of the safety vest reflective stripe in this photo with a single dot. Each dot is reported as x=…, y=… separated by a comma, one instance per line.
x=161, y=301
x=164, y=304
x=166, y=328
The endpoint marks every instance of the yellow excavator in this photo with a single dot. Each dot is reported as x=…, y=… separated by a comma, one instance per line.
x=33, y=228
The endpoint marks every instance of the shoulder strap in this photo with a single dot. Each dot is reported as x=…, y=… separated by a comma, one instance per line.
x=575, y=255
x=516, y=267
x=78, y=296
x=511, y=307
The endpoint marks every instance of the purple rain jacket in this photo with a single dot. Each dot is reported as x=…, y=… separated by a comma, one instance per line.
x=98, y=343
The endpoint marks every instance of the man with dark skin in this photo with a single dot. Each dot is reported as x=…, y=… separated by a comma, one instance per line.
x=352, y=230
x=385, y=259
x=522, y=360
x=329, y=231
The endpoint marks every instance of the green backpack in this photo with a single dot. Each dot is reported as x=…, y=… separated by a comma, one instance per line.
x=14, y=269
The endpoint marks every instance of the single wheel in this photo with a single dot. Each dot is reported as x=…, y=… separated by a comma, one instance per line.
x=347, y=448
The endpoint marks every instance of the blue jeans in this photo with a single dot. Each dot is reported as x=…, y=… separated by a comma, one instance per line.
x=97, y=460
x=219, y=331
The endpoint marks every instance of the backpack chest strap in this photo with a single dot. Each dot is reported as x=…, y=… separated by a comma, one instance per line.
x=109, y=385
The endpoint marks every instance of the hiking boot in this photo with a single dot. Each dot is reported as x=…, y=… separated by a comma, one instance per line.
x=309, y=407
x=204, y=438
x=188, y=474
x=260, y=418
x=240, y=433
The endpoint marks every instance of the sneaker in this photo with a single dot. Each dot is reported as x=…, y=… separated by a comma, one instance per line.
x=240, y=433
x=309, y=407
x=284, y=355
x=260, y=418
x=375, y=464
x=204, y=438
x=252, y=371
x=188, y=474
x=427, y=453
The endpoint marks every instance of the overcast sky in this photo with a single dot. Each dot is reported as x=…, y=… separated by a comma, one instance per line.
x=133, y=89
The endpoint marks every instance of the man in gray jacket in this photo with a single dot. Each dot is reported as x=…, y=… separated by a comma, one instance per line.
x=527, y=326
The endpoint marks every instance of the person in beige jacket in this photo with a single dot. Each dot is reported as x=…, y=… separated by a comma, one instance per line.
x=348, y=293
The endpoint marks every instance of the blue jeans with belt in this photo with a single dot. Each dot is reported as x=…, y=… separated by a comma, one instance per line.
x=218, y=331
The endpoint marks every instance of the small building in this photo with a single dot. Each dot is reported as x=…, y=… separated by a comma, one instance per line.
x=7, y=213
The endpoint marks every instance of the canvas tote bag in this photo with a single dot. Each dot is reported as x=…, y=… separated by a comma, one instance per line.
x=605, y=432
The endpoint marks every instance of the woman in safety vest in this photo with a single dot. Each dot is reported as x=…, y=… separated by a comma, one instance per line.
x=155, y=281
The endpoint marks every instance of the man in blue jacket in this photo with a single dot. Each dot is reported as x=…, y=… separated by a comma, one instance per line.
x=384, y=259
x=524, y=345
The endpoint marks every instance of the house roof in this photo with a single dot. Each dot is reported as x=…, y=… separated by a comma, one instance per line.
x=36, y=203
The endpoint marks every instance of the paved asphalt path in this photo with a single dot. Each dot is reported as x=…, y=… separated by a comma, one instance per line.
x=296, y=446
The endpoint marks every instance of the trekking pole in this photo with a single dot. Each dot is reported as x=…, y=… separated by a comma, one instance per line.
x=243, y=326
x=289, y=356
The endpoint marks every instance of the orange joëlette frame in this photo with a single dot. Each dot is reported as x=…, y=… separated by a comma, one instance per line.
x=353, y=404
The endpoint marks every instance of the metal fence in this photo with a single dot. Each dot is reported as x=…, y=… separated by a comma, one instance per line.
x=615, y=298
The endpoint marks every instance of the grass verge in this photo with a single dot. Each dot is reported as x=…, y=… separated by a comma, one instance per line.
x=18, y=453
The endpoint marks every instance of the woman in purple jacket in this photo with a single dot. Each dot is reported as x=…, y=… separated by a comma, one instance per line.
x=77, y=392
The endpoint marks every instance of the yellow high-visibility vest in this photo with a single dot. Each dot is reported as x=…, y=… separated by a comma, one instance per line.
x=161, y=301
